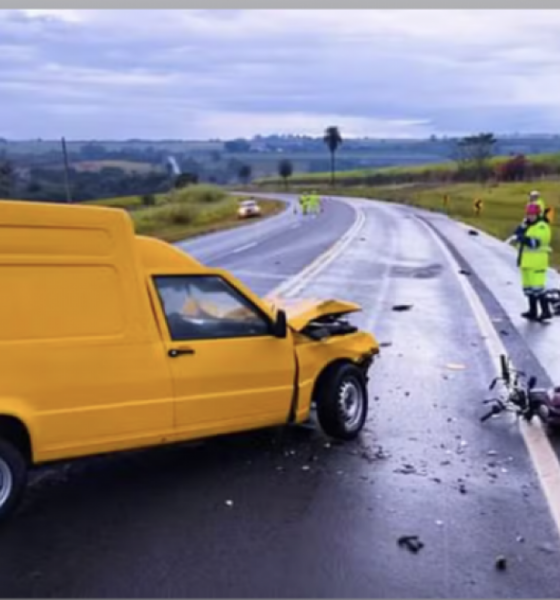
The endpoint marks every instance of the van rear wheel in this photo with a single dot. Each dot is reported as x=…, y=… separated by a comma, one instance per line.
x=13, y=478
x=342, y=402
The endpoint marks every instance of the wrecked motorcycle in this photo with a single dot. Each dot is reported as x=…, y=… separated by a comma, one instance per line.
x=523, y=397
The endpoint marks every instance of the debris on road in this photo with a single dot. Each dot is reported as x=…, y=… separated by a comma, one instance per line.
x=385, y=344
x=547, y=548
x=406, y=469
x=411, y=543
x=381, y=454
x=456, y=366
x=473, y=232
x=402, y=307
x=464, y=272
x=501, y=563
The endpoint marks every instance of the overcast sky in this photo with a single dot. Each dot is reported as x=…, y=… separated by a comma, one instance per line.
x=197, y=74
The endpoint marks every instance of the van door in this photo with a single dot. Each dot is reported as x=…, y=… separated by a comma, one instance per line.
x=229, y=371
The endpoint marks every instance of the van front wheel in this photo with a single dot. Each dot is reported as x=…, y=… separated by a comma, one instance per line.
x=13, y=478
x=342, y=402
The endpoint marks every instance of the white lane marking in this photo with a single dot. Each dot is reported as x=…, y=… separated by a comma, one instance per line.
x=317, y=281
x=291, y=287
x=542, y=454
x=243, y=248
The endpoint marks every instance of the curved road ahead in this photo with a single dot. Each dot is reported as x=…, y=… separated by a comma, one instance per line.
x=311, y=518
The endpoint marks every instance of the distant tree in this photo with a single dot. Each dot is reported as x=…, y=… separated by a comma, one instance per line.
x=244, y=173
x=148, y=200
x=285, y=170
x=332, y=139
x=235, y=146
x=33, y=187
x=185, y=179
x=473, y=153
x=93, y=151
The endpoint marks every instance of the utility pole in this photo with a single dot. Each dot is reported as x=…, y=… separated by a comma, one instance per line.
x=66, y=175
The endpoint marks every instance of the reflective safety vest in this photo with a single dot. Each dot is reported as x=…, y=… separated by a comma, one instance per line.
x=534, y=247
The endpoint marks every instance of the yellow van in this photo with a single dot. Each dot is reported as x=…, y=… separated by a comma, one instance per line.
x=111, y=341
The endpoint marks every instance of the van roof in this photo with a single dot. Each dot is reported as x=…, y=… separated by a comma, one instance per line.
x=45, y=214
x=18, y=217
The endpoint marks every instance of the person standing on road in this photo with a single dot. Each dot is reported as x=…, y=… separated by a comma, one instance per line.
x=314, y=202
x=303, y=202
x=533, y=260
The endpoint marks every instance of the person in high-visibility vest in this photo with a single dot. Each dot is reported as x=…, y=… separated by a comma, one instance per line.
x=533, y=242
x=314, y=202
x=303, y=203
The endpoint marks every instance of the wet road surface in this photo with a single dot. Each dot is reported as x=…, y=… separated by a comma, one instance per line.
x=287, y=513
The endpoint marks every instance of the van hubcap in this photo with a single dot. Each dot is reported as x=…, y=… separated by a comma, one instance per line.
x=351, y=403
x=6, y=482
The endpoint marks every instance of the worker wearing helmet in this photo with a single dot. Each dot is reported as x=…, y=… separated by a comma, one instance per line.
x=535, y=198
x=533, y=242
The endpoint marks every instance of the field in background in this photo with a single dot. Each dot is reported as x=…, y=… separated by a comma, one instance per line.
x=433, y=172
x=93, y=166
x=185, y=213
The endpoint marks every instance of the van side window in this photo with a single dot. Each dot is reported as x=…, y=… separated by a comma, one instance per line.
x=205, y=307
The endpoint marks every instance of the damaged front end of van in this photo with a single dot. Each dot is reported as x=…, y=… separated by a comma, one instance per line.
x=334, y=360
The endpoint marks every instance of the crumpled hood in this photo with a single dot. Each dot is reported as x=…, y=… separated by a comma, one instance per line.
x=301, y=312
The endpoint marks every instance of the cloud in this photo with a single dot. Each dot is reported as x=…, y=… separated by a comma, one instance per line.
x=210, y=73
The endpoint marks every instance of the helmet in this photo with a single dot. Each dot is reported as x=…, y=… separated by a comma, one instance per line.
x=532, y=209
x=534, y=195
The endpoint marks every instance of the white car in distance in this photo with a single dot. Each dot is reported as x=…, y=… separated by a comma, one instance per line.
x=248, y=208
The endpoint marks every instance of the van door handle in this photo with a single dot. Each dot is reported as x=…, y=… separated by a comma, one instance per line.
x=175, y=352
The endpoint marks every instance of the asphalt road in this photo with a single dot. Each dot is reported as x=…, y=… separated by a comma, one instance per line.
x=285, y=513
x=266, y=253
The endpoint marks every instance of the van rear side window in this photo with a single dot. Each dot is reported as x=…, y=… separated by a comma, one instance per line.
x=39, y=302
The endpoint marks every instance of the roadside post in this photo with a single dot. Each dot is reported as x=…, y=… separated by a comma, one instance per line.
x=478, y=206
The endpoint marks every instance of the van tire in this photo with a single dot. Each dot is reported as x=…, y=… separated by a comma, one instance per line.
x=13, y=478
x=342, y=402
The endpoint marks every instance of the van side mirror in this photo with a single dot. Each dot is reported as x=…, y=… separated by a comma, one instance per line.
x=280, y=327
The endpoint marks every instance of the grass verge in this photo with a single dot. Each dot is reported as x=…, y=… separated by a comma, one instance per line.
x=187, y=213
